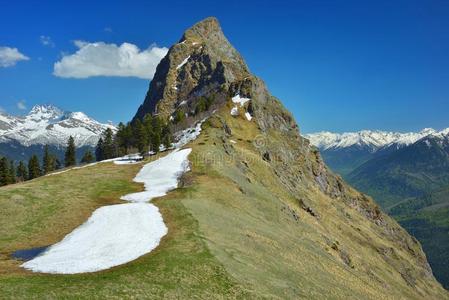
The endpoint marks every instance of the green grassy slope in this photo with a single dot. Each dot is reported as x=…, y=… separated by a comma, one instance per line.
x=271, y=244
x=42, y=211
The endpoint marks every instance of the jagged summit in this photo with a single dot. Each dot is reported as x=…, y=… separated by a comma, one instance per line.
x=203, y=29
x=202, y=61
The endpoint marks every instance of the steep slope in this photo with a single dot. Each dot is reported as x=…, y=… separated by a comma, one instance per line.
x=412, y=185
x=346, y=151
x=45, y=124
x=260, y=188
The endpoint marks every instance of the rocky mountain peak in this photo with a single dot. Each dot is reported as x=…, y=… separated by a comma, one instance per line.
x=202, y=62
x=47, y=112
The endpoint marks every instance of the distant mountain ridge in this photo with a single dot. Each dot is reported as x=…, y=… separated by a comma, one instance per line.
x=376, y=139
x=20, y=136
x=344, y=152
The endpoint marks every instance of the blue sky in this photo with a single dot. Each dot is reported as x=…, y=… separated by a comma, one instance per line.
x=337, y=65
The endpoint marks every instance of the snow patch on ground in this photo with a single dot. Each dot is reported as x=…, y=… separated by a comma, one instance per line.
x=234, y=111
x=248, y=116
x=160, y=176
x=187, y=135
x=183, y=63
x=117, y=234
x=240, y=100
x=112, y=236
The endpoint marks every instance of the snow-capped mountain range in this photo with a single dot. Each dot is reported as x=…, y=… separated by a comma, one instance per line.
x=374, y=140
x=47, y=124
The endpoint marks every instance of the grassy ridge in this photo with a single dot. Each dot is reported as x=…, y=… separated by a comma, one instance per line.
x=42, y=211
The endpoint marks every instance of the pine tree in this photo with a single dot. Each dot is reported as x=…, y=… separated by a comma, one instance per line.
x=121, y=139
x=108, y=144
x=141, y=137
x=166, y=136
x=156, y=134
x=70, y=153
x=34, y=170
x=12, y=172
x=148, y=123
x=99, y=150
x=88, y=157
x=21, y=172
x=48, y=163
x=4, y=171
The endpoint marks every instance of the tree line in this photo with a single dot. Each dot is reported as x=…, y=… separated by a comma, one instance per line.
x=148, y=135
x=11, y=172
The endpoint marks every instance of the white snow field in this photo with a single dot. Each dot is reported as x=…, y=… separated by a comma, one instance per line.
x=160, y=176
x=117, y=234
x=112, y=236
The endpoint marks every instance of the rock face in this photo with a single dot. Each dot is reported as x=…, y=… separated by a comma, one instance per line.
x=204, y=64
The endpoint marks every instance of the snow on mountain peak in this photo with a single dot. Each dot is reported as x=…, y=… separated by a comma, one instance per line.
x=371, y=139
x=48, y=112
x=48, y=124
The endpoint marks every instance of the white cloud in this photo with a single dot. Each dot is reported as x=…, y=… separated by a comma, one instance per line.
x=10, y=56
x=101, y=59
x=21, y=105
x=46, y=41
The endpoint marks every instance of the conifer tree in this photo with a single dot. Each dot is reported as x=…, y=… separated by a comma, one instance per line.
x=108, y=144
x=148, y=123
x=166, y=136
x=21, y=172
x=12, y=172
x=70, y=153
x=141, y=137
x=47, y=161
x=4, y=171
x=99, y=150
x=88, y=157
x=34, y=170
x=121, y=139
x=156, y=134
